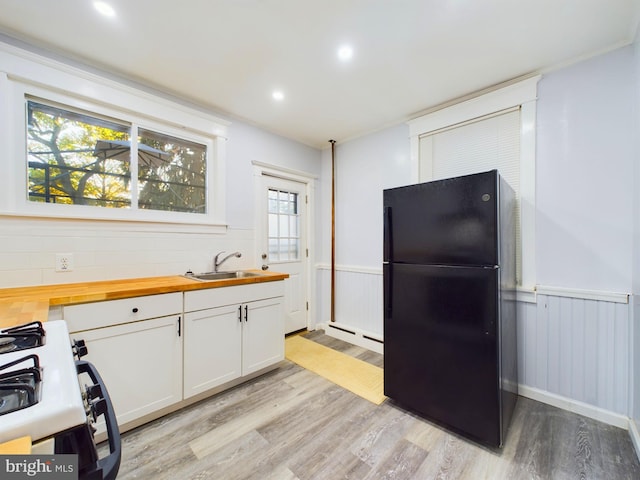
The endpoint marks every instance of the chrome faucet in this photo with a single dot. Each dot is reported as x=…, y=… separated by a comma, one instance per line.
x=216, y=263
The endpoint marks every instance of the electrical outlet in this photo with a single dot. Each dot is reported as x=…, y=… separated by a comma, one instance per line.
x=64, y=262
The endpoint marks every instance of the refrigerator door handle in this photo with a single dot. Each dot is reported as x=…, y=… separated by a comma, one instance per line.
x=387, y=280
x=387, y=247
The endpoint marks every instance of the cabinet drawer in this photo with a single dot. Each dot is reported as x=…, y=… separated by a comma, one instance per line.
x=88, y=316
x=221, y=296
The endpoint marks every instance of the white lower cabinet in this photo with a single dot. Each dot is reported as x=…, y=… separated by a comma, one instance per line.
x=224, y=343
x=262, y=335
x=152, y=356
x=212, y=354
x=139, y=359
x=140, y=363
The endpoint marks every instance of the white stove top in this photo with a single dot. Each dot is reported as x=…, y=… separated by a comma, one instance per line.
x=60, y=406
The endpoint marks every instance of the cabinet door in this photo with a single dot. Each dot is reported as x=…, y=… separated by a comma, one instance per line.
x=140, y=363
x=263, y=334
x=212, y=348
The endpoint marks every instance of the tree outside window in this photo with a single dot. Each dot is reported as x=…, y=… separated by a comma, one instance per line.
x=63, y=164
x=177, y=180
x=78, y=158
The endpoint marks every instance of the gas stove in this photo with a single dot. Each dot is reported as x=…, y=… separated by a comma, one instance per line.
x=41, y=397
x=49, y=401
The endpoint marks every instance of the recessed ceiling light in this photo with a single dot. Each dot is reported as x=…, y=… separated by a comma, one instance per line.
x=345, y=52
x=105, y=9
x=278, y=95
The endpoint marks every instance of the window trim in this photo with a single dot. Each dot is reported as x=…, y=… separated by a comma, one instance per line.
x=522, y=94
x=298, y=238
x=25, y=73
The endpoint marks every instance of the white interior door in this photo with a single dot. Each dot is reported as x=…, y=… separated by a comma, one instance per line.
x=283, y=243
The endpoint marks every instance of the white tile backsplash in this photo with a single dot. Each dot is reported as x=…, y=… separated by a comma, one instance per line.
x=104, y=251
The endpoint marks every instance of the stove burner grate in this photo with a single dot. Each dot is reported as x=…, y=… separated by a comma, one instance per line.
x=7, y=344
x=20, y=388
x=23, y=337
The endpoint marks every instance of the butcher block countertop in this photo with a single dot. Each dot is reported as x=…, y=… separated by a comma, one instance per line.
x=26, y=304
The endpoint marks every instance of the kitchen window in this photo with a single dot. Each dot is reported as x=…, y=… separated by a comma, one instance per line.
x=66, y=160
x=75, y=146
x=77, y=158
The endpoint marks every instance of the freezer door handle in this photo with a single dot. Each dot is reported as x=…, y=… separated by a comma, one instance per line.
x=387, y=248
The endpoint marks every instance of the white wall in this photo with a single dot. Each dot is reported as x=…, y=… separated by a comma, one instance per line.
x=585, y=175
x=586, y=183
x=247, y=144
x=635, y=368
x=363, y=168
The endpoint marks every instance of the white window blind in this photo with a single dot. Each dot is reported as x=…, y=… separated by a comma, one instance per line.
x=486, y=143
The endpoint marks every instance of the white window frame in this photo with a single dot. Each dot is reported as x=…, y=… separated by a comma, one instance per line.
x=25, y=74
x=522, y=94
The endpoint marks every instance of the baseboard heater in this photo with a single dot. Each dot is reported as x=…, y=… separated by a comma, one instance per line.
x=354, y=333
x=372, y=339
x=341, y=329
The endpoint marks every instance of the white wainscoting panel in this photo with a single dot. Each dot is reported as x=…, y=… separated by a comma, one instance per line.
x=577, y=349
x=359, y=298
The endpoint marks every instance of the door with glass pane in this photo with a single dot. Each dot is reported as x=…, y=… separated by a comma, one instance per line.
x=284, y=243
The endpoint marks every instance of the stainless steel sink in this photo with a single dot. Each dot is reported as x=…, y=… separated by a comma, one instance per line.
x=211, y=276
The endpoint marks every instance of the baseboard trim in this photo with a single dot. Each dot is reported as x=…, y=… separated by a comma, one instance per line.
x=581, y=408
x=635, y=436
x=353, y=335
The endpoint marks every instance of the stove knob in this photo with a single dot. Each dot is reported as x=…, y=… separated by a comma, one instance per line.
x=94, y=391
x=98, y=408
x=79, y=348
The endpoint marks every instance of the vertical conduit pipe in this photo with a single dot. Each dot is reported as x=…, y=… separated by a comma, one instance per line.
x=333, y=230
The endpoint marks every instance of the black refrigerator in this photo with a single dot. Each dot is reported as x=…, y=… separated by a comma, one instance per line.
x=450, y=303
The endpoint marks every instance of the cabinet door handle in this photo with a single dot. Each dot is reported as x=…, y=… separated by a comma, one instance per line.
x=240, y=313
x=179, y=326
x=246, y=313
x=135, y=310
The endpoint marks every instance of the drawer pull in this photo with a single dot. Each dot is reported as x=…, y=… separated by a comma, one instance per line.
x=135, y=310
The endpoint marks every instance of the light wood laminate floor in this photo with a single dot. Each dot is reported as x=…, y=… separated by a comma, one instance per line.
x=292, y=424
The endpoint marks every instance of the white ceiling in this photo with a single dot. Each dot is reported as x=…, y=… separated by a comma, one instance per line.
x=409, y=55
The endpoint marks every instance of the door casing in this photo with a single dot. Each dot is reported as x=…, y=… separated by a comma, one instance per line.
x=262, y=169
